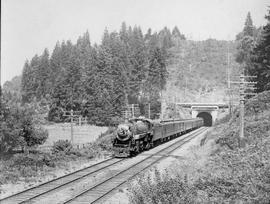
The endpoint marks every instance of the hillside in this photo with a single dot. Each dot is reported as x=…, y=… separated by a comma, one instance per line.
x=198, y=71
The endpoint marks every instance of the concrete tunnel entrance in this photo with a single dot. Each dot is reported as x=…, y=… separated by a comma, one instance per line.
x=207, y=118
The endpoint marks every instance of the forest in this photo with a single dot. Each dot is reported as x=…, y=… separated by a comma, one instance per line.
x=99, y=81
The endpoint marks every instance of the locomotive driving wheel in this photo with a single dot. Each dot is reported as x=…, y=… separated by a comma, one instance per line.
x=148, y=144
x=137, y=145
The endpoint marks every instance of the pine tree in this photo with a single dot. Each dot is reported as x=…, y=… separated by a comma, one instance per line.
x=165, y=38
x=30, y=79
x=99, y=81
x=138, y=59
x=249, y=28
x=72, y=77
x=27, y=93
x=157, y=72
x=246, y=42
x=177, y=36
x=176, y=33
x=55, y=66
x=261, y=58
x=105, y=38
x=124, y=33
x=148, y=35
x=43, y=74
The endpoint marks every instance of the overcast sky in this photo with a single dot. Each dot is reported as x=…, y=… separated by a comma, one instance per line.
x=30, y=26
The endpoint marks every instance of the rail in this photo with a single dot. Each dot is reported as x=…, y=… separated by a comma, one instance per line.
x=112, y=183
x=52, y=185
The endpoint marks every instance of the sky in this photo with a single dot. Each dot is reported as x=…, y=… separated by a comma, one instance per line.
x=30, y=26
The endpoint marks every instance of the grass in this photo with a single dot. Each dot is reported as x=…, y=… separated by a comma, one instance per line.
x=232, y=174
x=82, y=134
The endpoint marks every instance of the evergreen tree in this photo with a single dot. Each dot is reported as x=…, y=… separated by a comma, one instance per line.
x=26, y=85
x=261, y=58
x=157, y=72
x=249, y=28
x=105, y=38
x=138, y=59
x=176, y=33
x=124, y=33
x=246, y=42
x=55, y=66
x=43, y=74
x=148, y=35
x=177, y=36
x=165, y=38
x=99, y=81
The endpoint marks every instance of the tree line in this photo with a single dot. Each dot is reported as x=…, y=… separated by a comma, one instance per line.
x=100, y=81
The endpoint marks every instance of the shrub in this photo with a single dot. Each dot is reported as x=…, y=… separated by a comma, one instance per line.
x=17, y=129
x=62, y=146
x=161, y=189
x=36, y=160
x=55, y=114
x=20, y=166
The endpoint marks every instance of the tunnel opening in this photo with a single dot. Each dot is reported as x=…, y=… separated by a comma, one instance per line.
x=207, y=118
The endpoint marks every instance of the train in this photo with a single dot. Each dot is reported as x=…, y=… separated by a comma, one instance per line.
x=140, y=134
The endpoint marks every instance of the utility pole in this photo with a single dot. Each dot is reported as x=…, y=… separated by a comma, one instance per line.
x=71, y=115
x=242, y=109
x=71, y=126
x=149, y=110
x=132, y=110
x=243, y=86
x=228, y=79
x=161, y=105
x=185, y=88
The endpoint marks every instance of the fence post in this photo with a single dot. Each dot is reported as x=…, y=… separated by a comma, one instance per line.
x=80, y=121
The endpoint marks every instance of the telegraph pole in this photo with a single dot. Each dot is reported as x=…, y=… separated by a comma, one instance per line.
x=228, y=79
x=149, y=110
x=71, y=126
x=185, y=89
x=242, y=109
x=243, y=86
x=71, y=115
x=132, y=110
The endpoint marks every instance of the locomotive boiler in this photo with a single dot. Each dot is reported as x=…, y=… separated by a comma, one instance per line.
x=139, y=134
x=133, y=137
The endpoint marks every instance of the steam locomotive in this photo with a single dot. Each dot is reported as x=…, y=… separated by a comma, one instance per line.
x=139, y=134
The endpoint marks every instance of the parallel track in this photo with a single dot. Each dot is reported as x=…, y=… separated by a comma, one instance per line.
x=58, y=183
x=97, y=192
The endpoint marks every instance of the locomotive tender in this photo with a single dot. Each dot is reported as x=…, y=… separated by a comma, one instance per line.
x=140, y=134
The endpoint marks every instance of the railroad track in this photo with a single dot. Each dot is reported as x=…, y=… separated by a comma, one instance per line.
x=100, y=190
x=58, y=183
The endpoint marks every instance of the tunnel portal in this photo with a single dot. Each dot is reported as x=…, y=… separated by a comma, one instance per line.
x=207, y=118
